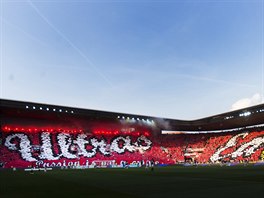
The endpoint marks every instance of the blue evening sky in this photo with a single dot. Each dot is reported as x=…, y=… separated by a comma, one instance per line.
x=175, y=59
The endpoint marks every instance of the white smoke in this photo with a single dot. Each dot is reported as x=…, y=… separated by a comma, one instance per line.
x=247, y=102
x=163, y=123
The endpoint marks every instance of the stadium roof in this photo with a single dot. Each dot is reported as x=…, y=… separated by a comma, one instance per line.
x=235, y=119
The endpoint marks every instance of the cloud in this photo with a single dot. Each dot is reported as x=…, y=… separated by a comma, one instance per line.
x=246, y=102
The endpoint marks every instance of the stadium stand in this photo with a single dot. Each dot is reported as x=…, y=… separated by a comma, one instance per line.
x=50, y=149
x=41, y=135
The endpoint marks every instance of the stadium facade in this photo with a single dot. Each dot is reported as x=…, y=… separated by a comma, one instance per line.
x=43, y=135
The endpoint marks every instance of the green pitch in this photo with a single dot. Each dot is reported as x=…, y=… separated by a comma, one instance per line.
x=214, y=181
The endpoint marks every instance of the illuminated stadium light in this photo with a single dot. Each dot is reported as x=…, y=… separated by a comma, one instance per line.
x=228, y=117
x=54, y=109
x=72, y=112
x=40, y=108
x=245, y=114
x=27, y=107
x=145, y=121
x=47, y=109
x=34, y=107
x=150, y=122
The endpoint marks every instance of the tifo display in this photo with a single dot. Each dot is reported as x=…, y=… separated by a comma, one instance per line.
x=34, y=147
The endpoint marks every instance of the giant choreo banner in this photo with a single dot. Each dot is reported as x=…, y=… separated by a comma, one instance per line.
x=46, y=149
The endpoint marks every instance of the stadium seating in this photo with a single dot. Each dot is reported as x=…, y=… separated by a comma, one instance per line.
x=21, y=148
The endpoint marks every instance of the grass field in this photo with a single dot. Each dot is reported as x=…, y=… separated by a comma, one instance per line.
x=214, y=181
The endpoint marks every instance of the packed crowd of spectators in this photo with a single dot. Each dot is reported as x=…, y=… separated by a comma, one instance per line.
x=234, y=146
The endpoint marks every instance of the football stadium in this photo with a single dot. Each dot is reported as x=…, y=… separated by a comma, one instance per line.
x=58, y=151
